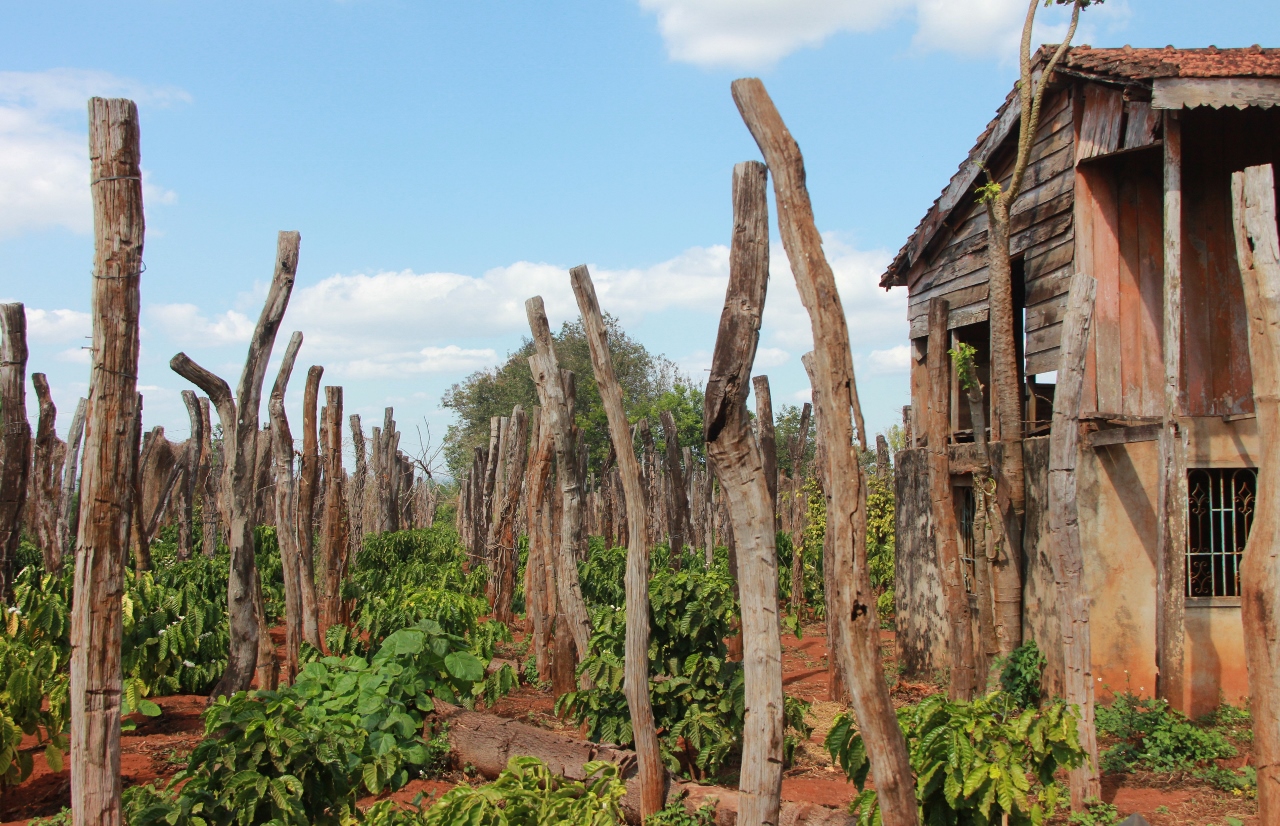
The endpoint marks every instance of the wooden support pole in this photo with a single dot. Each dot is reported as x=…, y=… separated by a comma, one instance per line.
x=636, y=679
x=503, y=550
x=1064, y=531
x=15, y=439
x=946, y=532
x=239, y=417
x=286, y=508
x=68, y=509
x=678, y=507
x=742, y=463
x=212, y=491
x=335, y=543
x=309, y=479
x=855, y=603
x=109, y=452
x=800, y=512
x=46, y=478
x=191, y=467
x=768, y=442
x=1258, y=252
x=1171, y=502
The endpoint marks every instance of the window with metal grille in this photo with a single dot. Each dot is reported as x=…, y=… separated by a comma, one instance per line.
x=968, y=562
x=1221, y=506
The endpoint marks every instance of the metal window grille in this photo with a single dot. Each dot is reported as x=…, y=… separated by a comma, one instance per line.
x=968, y=561
x=1221, y=503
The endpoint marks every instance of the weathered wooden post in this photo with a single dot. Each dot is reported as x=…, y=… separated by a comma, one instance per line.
x=678, y=506
x=539, y=573
x=636, y=679
x=211, y=491
x=46, y=470
x=109, y=450
x=557, y=397
x=800, y=511
x=1258, y=253
x=309, y=470
x=335, y=539
x=1064, y=531
x=741, y=462
x=946, y=533
x=68, y=509
x=768, y=442
x=15, y=439
x=239, y=417
x=855, y=604
x=286, y=508
x=192, y=465
x=502, y=550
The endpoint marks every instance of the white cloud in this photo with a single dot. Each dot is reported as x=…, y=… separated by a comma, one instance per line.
x=44, y=156
x=75, y=355
x=771, y=357
x=747, y=34
x=886, y=362
x=450, y=359
x=57, y=326
x=186, y=324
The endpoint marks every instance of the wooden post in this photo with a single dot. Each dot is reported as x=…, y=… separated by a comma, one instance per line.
x=557, y=402
x=1064, y=530
x=192, y=451
x=742, y=461
x=335, y=543
x=15, y=439
x=309, y=484
x=109, y=450
x=801, y=510
x=946, y=533
x=678, y=508
x=239, y=417
x=539, y=569
x=837, y=668
x=636, y=679
x=68, y=510
x=855, y=603
x=1171, y=502
x=768, y=442
x=211, y=492
x=286, y=508
x=1258, y=252
x=503, y=549
x=46, y=470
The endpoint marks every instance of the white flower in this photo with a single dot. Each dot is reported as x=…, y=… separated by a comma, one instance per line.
x=188, y=664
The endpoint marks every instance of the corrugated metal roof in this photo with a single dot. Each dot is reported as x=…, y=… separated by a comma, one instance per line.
x=1125, y=64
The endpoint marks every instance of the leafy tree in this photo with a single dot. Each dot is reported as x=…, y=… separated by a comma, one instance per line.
x=651, y=383
x=786, y=423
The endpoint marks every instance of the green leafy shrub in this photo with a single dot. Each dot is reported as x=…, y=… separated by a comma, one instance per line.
x=526, y=793
x=1155, y=737
x=1021, y=674
x=975, y=763
x=675, y=814
x=1095, y=813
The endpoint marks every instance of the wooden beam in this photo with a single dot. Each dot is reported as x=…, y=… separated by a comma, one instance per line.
x=1240, y=92
x=1123, y=435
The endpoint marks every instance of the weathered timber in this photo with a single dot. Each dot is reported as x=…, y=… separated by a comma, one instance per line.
x=636, y=673
x=309, y=485
x=193, y=451
x=286, y=508
x=801, y=510
x=946, y=533
x=68, y=508
x=768, y=442
x=211, y=496
x=110, y=448
x=46, y=478
x=239, y=417
x=329, y=604
x=678, y=506
x=855, y=599
x=1258, y=253
x=1064, y=531
x=743, y=465
x=335, y=544
x=15, y=439
x=503, y=550
x=557, y=401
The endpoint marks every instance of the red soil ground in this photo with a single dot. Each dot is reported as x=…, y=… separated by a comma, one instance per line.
x=157, y=748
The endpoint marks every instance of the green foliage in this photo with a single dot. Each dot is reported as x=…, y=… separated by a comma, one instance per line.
x=526, y=793
x=650, y=384
x=974, y=762
x=601, y=574
x=962, y=356
x=1020, y=676
x=786, y=424
x=675, y=814
x=1155, y=737
x=1095, y=813
x=881, y=529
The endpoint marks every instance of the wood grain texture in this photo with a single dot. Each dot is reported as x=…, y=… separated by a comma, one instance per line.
x=109, y=449
x=45, y=482
x=636, y=679
x=1100, y=128
x=854, y=603
x=68, y=509
x=1258, y=253
x=1217, y=92
x=15, y=439
x=286, y=507
x=1064, y=532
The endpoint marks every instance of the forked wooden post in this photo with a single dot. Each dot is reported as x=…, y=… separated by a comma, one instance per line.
x=1258, y=252
x=945, y=531
x=636, y=679
x=15, y=439
x=239, y=417
x=855, y=600
x=1064, y=530
x=742, y=463
x=109, y=445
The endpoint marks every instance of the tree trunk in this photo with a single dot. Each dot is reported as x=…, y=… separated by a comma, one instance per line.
x=110, y=449
x=742, y=463
x=1064, y=531
x=678, y=510
x=239, y=419
x=335, y=542
x=15, y=439
x=286, y=509
x=946, y=533
x=211, y=489
x=1258, y=251
x=636, y=673
x=309, y=478
x=859, y=644
x=768, y=442
x=557, y=398
x=69, y=508
x=267, y=670
x=355, y=515
x=503, y=550
x=46, y=467
x=190, y=480
x=539, y=582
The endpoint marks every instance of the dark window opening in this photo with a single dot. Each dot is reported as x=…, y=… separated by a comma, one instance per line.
x=1221, y=505
x=968, y=557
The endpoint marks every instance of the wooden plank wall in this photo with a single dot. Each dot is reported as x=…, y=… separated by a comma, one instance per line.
x=1041, y=232
x=1039, y=604
x=922, y=631
x=1216, y=142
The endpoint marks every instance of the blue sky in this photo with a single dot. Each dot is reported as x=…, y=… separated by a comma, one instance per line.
x=444, y=161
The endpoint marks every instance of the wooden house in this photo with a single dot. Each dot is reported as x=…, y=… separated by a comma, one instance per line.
x=1129, y=177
